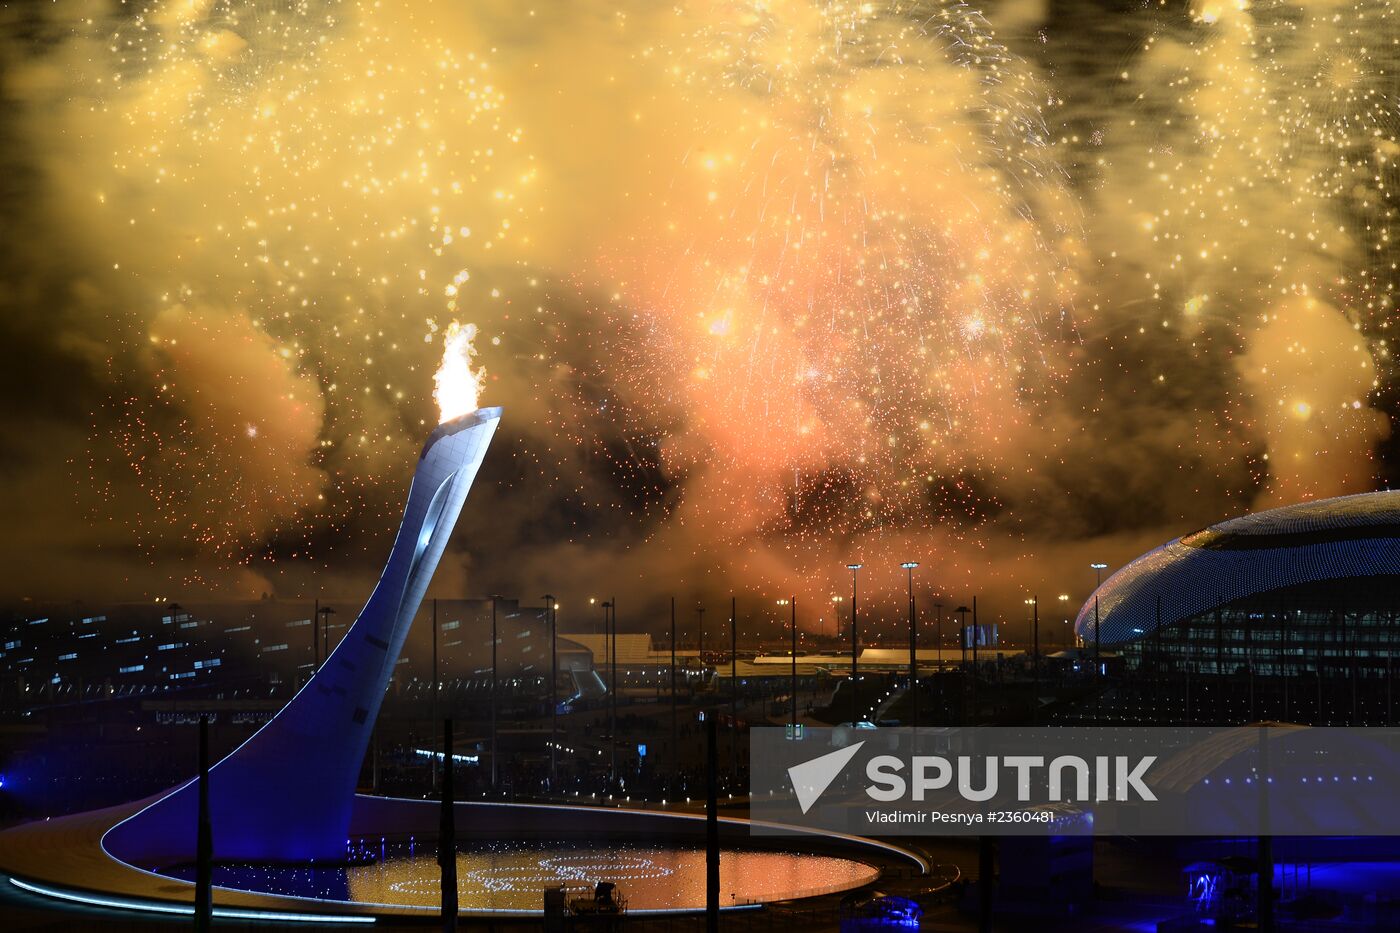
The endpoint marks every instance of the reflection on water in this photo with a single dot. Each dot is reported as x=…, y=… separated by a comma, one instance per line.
x=513, y=875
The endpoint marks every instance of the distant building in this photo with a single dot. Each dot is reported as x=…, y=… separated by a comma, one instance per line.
x=1309, y=590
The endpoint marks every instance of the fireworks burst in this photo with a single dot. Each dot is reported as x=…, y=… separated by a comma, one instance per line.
x=864, y=276
x=812, y=283
x=1260, y=217
x=318, y=179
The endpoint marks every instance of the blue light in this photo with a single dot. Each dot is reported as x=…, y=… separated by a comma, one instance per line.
x=159, y=907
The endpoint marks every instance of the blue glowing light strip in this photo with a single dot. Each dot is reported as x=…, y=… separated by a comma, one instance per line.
x=233, y=913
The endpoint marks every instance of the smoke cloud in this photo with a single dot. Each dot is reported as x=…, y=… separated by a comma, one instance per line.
x=763, y=288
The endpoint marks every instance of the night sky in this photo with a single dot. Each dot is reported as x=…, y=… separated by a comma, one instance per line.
x=764, y=287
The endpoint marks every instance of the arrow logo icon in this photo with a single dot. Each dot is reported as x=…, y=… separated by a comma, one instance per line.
x=811, y=778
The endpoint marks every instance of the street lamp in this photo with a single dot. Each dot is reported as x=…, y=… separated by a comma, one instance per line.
x=1034, y=603
x=734, y=689
x=938, y=659
x=1064, y=598
x=909, y=566
x=432, y=726
x=700, y=641
x=1098, y=582
x=962, y=612
x=551, y=615
x=792, y=602
x=495, y=639
x=855, y=702
x=610, y=652
x=326, y=613
x=675, y=740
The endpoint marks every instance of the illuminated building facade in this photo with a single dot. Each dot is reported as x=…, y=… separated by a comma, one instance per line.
x=286, y=793
x=1309, y=590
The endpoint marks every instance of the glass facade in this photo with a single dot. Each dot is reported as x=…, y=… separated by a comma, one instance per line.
x=1335, y=628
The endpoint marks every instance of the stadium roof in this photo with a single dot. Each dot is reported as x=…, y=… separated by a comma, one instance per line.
x=1310, y=543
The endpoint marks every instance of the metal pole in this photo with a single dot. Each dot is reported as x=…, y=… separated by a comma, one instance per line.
x=1035, y=658
x=976, y=637
x=447, y=834
x=938, y=667
x=316, y=636
x=855, y=642
x=204, y=841
x=733, y=691
x=675, y=735
x=1098, y=583
x=986, y=880
x=1096, y=633
x=1264, y=890
x=711, y=827
x=552, y=617
x=700, y=612
x=612, y=708
x=494, y=756
x=1035, y=633
x=962, y=664
x=433, y=759
x=913, y=646
x=793, y=603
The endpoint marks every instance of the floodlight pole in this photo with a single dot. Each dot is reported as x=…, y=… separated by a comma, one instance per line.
x=711, y=826
x=855, y=641
x=551, y=617
x=1035, y=658
x=612, y=708
x=793, y=603
x=700, y=642
x=675, y=735
x=962, y=612
x=204, y=841
x=909, y=565
x=433, y=758
x=1099, y=568
x=447, y=833
x=938, y=607
x=326, y=613
x=733, y=691
x=495, y=756
x=976, y=637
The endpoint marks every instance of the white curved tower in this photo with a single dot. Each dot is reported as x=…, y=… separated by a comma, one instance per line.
x=286, y=793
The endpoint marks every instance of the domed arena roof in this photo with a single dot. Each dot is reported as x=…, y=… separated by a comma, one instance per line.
x=1311, y=542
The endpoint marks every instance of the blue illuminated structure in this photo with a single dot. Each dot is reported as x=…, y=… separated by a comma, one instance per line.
x=1267, y=591
x=285, y=795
